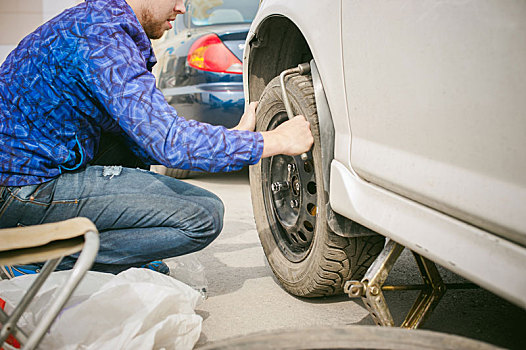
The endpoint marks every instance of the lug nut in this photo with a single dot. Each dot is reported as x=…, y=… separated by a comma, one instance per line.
x=279, y=186
x=294, y=203
x=297, y=186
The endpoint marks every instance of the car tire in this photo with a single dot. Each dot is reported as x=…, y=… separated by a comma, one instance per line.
x=308, y=259
x=350, y=338
x=179, y=173
x=173, y=172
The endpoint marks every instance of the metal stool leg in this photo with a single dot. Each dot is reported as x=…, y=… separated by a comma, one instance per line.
x=83, y=264
x=10, y=326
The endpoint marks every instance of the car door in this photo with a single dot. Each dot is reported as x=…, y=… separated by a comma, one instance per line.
x=436, y=97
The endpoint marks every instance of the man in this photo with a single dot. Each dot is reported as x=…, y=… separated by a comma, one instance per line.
x=77, y=97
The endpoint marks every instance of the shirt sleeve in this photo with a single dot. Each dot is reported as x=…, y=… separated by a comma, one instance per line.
x=116, y=74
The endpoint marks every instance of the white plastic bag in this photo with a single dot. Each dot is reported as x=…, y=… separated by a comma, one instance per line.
x=136, y=309
x=189, y=270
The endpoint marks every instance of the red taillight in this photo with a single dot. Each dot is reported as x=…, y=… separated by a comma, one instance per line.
x=210, y=54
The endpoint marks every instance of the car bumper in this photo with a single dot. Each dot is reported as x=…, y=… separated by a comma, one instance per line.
x=213, y=103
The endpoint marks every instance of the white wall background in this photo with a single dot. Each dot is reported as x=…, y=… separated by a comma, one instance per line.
x=20, y=17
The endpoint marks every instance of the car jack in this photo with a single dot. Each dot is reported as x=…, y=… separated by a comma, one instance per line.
x=371, y=288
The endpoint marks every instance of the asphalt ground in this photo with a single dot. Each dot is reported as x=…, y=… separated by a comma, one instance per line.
x=244, y=297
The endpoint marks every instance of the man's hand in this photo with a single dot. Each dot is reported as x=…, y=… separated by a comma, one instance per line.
x=292, y=138
x=248, y=119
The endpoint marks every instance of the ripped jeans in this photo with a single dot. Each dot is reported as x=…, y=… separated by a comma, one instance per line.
x=141, y=216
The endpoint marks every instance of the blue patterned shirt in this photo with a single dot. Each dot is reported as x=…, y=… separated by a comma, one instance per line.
x=88, y=71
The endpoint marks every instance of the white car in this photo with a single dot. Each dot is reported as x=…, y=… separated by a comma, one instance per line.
x=419, y=114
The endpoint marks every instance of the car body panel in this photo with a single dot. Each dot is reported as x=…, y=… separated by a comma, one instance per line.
x=437, y=107
x=485, y=259
x=426, y=210
x=329, y=54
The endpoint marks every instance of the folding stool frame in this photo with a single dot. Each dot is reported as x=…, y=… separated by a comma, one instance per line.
x=49, y=242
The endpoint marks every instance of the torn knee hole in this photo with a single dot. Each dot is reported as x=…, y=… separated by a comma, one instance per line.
x=111, y=171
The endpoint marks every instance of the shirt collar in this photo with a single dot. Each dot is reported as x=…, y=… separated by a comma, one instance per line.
x=133, y=27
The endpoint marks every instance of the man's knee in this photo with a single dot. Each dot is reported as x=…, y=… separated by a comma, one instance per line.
x=217, y=208
x=211, y=220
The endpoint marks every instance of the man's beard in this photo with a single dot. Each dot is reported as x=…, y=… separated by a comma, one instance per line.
x=154, y=30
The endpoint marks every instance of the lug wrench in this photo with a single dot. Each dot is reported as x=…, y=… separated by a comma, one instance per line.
x=302, y=69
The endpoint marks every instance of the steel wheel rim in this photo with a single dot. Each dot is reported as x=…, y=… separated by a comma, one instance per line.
x=290, y=197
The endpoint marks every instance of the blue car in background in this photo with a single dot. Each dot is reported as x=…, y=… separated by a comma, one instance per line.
x=199, y=67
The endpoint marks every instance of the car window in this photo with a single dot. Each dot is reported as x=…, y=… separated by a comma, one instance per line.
x=209, y=12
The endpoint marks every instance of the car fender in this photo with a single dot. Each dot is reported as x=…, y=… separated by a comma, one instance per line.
x=326, y=51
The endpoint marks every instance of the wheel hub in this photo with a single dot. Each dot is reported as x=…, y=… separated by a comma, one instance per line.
x=292, y=200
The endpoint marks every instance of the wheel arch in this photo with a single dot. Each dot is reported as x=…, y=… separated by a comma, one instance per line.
x=276, y=44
